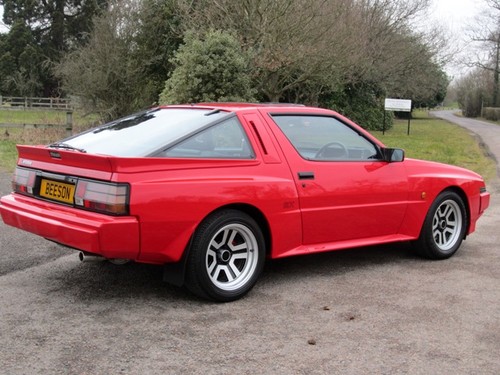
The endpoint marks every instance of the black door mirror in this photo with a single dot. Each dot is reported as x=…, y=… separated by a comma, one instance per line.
x=392, y=155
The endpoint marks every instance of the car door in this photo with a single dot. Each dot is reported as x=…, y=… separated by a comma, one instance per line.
x=346, y=191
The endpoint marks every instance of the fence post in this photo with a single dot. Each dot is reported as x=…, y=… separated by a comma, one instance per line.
x=69, y=123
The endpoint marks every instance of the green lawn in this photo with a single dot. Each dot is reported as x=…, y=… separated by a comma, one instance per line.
x=8, y=154
x=40, y=117
x=9, y=137
x=438, y=140
x=32, y=117
x=429, y=139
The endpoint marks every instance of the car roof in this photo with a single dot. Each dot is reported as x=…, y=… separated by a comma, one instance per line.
x=273, y=108
x=235, y=106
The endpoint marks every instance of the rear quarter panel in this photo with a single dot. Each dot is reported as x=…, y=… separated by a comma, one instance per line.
x=171, y=202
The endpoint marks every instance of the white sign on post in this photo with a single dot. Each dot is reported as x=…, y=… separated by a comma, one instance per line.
x=398, y=105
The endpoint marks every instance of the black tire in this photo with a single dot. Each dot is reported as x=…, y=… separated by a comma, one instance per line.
x=226, y=256
x=444, y=227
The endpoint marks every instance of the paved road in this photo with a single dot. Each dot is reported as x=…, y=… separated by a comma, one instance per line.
x=29, y=250
x=366, y=311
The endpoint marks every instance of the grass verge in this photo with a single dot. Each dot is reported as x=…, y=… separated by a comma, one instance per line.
x=437, y=140
x=8, y=155
x=9, y=137
x=46, y=117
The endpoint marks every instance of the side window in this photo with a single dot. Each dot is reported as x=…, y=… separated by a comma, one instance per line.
x=224, y=140
x=325, y=138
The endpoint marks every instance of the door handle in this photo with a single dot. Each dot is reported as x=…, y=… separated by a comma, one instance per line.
x=306, y=175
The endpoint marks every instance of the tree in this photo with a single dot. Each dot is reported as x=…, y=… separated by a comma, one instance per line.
x=125, y=63
x=472, y=92
x=290, y=40
x=346, y=54
x=211, y=69
x=158, y=36
x=53, y=27
x=418, y=76
x=18, y=75
x=102, y=74
x=322, y=52
x=486, y=35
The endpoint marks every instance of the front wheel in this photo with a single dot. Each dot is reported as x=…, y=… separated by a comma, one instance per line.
x=226, y=256
x=444, y=227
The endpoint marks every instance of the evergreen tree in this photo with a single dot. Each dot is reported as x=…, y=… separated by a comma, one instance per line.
x=124, y=65
x=212, y=69
x=40, y=33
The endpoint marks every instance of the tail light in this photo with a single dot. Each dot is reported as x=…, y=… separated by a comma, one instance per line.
x=23, y=181
x=102, y=197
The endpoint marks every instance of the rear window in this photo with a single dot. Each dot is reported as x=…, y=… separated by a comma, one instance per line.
x=145, y=133
x=224, y=140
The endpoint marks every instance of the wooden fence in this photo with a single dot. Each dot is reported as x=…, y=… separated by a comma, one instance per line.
x=23, y=103
x=68, y=125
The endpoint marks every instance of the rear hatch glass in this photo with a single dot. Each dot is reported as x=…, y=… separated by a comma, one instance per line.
x=144, y=133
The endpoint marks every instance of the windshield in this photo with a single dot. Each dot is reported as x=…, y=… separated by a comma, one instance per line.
x=144, y=133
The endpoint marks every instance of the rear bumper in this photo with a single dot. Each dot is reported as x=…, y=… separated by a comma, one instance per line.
x=108, y=236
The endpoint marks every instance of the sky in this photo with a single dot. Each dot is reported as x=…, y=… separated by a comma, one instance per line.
x=2, y=28
x=455, y=13
x=457, y=17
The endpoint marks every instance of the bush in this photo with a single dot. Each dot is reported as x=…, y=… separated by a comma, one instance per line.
x=361, y=103
x=471, y=106
x=471, y=93
x=210, y=69
x=492, y=114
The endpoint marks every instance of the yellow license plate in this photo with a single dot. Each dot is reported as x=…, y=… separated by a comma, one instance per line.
x=58, y=191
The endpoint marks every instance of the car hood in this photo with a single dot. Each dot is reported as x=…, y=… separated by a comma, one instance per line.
x=416, y=167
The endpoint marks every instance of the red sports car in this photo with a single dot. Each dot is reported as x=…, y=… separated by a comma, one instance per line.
x=212, y=190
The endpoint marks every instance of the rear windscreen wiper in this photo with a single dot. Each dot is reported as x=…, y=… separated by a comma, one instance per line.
x=65, y=146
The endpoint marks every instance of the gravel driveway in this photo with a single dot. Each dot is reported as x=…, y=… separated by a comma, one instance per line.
x=377, y=310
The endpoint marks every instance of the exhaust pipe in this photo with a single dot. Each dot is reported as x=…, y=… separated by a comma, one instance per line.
x=89, y=258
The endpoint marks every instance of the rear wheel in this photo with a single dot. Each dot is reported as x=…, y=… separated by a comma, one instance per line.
x=444, y=227
x=226, y=256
